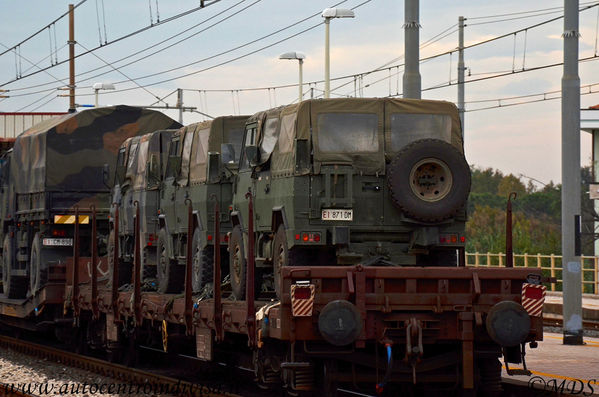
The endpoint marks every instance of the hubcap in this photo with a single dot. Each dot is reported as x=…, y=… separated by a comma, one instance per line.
x=431, y=179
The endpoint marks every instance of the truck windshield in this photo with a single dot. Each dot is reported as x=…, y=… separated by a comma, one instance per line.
x=407, y=128
x=348, y=132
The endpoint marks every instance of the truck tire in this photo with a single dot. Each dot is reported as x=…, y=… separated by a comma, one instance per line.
x=170, y=276
x=237, y=263
x=281, y=256
x=203, y=263
x=14, y=287
x=429, y=180
x=38, y=268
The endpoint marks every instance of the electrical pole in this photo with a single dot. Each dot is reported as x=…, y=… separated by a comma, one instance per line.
x=571, y=268
x=180, y=104
x=71, y=58
x=411, y=76
x=461, y=71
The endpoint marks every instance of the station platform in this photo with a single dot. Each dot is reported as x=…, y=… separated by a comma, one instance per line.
x=590, y=309
x=555, y=366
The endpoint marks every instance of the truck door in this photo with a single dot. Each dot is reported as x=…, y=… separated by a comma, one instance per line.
x=182, y=192
x=244, y=180
x=167, y=194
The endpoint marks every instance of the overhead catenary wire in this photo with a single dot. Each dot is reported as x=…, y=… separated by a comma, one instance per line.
x=205, y=4
x=19, y=66
x=221, y=63
x=9, y=49
x=152, y=46
x=119, y=71
x=530, y=27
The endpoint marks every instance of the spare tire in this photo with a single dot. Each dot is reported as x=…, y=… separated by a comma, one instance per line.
x=429, y=180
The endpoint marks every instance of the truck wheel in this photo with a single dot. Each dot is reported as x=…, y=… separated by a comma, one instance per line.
x=203, y=263
x=429, y=180
x=14, y=287
x=38, y=271
x=167, y=272
x=237, y=263
x=281, y=256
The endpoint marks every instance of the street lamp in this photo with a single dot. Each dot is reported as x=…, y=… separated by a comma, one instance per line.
x=300, y=57
x=101, y=86
x=328, y=14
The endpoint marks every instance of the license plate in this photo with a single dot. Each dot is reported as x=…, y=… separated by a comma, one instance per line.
x=58, y=242
x=337, y=215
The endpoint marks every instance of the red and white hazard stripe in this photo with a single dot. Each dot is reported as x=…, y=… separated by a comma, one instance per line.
x=533, y=298
x=302, y=300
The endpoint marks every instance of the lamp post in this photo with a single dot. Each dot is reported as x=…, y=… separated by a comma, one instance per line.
x=101, y=86
x=328, y=14
x=300, y=57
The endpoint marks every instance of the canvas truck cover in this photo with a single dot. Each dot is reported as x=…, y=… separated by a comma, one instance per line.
x=68, y=153
x=396, y=122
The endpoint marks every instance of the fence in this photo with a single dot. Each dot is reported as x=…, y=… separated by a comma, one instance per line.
x=12, y=124
x=551, y=265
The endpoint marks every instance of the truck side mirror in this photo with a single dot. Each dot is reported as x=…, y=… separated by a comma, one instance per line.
x=227, y=153
x=302, y=154
x=253, y=154
x=213, y=167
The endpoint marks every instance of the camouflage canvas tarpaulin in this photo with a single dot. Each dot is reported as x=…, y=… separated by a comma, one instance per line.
x=68, y=153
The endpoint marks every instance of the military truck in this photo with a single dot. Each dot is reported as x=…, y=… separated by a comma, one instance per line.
x=202, y=159
x=348, y=181
x=139, y=173
x=55, y=166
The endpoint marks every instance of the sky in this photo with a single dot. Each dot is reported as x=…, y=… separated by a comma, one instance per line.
x=225, y=57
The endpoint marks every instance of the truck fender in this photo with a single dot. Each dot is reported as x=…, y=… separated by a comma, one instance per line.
x=198, y=221
x=236, y=219
x=162, y=223
x=278, y=218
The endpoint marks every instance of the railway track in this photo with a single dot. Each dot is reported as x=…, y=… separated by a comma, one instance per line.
x=554, y=320
x=142, y=381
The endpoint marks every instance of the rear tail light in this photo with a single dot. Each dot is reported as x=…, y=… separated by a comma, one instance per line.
x=451, y=239
x=309, y=237
x=59, y=233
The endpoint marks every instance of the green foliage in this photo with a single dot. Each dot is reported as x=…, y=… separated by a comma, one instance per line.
x=535, y=214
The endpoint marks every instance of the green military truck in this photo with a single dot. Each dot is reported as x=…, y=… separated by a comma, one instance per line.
x=55, y=166
x=347, y=181
x=202, y=159
x=139, y=173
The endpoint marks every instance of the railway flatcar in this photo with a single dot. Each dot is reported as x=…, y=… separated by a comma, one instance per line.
x=345, y=266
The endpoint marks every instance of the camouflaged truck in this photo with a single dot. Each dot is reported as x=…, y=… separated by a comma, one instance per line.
x=202, y=159
x=347, y=181
x=56, y=165
x=140, y=167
